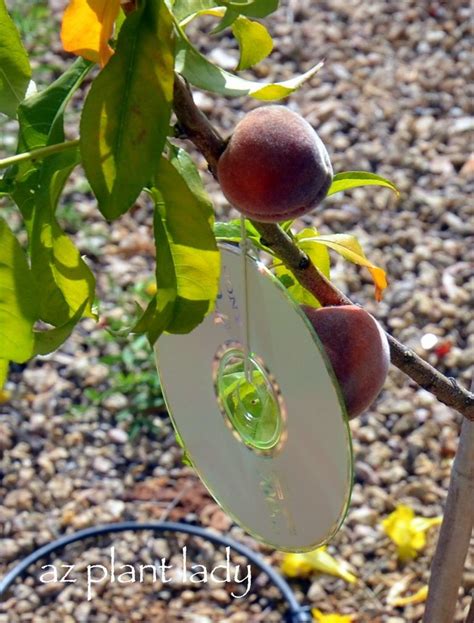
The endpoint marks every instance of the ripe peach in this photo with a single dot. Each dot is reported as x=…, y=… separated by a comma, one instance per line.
x=358, y=350
x=275, y=167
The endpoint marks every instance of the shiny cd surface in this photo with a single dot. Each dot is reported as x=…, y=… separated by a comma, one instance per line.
x=268, y=435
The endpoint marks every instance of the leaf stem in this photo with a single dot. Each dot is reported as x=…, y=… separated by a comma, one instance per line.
x=38, y=154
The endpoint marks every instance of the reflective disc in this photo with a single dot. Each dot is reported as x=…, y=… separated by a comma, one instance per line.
x=271, y=443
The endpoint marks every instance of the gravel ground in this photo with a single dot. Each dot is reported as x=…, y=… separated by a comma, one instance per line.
x=393, y=98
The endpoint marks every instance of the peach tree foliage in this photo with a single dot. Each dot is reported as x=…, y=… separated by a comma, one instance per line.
x=126, y=146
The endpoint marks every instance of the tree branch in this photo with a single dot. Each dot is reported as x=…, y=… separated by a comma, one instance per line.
x=456, y=529
x=208, y=141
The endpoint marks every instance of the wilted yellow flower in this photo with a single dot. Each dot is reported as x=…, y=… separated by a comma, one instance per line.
x=331, y=618
x=302, y=565
x=296, y=566
x=394, y=598
x=408, y=531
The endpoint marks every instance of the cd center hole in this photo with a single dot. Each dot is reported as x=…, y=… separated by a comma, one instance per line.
x=250, y=405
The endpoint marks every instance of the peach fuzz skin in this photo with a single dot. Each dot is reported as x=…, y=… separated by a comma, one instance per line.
x=275, y=167
x=358, y=350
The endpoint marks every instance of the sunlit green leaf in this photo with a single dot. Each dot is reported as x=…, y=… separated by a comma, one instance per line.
x=64, y=280
x=188, y=261
x=254, y=41
x=4, y=365
x=126, y=114
x=15, y=70
x=353, y=179
x=18, y=299
x=205, y=75
x=253, y=38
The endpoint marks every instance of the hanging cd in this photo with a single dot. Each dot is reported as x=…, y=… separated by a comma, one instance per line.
x=269, y=438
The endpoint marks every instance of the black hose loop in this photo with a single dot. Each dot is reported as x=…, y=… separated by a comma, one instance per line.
x=296, y=613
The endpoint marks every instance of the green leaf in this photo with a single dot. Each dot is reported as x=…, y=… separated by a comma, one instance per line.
x=350, y=248
x=230, y=231
x=41, y=119
x=126, y=115
x=188, y=261
x=185, y=8
x=320, y=258
x=18, y=299
x=205, y=75
x=353, y=179
x=228, y=18
x=252, y=8
x=41, y=116
x=47, y=341
x=254, y=40
x=4, y=365
x=64, y=280
x=286, y=225
x=15, y=70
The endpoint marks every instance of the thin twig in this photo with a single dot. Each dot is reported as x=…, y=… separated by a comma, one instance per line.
x=211, y=145
x=38, y=154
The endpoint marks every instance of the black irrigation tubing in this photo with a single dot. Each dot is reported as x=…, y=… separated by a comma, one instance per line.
x=296, y=612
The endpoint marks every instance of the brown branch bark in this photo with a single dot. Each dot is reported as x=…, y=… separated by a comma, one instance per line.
x=455, y=534
x=198, y=129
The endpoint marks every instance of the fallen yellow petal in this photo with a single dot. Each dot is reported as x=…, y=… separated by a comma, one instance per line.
x=394, y=595
x=408, y=531
x=295, y=566
x=331, y=618
x=87, y=27
x=302, y=565
x=325, y=563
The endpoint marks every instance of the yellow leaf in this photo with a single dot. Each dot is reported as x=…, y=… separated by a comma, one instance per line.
x=349, y=247
x=408, y=531
x=319, y=255
x=87, y=27
x=394, y=599
x=5, y=395
x=302, y=565
x=331, y=618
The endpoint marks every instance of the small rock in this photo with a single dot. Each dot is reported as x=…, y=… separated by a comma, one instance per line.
x=316, y=592
x=102, y=464
x=9, y=549
x=118, y=435
x=115, y=402
x=220, y=595
x=19, y=499
x=364, y=516
x=464, y=124
x=115, y=508
x=161, y=548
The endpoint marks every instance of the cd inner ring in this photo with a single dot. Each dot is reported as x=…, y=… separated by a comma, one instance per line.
x=253, y=408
